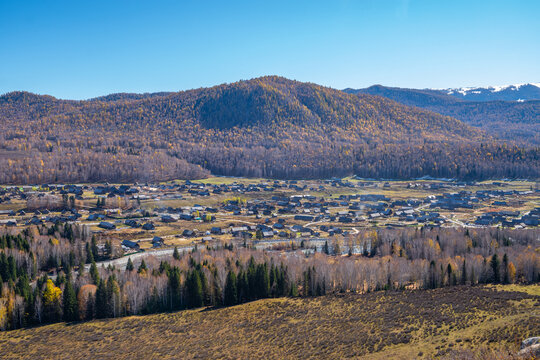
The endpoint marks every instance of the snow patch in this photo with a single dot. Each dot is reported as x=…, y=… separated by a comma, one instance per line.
x=493, y=89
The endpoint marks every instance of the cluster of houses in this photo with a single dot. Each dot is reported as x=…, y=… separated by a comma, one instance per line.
x=12, y=193
x=279, y=215
x=207, y=189
x=112, y=191
x=509, y=218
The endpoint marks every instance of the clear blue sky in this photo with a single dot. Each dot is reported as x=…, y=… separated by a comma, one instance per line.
x=80, y=49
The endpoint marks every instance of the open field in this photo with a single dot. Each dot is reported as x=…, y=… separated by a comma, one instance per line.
x=380, y=325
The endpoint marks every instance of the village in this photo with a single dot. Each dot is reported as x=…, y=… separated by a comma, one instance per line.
x=265, y=213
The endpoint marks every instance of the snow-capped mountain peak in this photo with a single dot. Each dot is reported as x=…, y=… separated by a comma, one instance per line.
x=516, y=92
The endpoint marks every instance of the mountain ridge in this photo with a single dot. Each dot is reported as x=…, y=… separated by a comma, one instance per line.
x=263, y=127
x=515, y=92
x=508, y=120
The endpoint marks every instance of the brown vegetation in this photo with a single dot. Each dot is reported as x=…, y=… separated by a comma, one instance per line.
x=267, y=127
x=397, y=325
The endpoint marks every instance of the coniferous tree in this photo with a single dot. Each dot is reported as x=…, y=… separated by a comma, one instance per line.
x=89, y=255
x=12, y=268
x=129, y=265
x=231, y=290
x=506, y=277
x=109, y=249
x=101, y=302
x=94, y=273
x=142, y=268
x=206, y=293
x=252, y=279
x=294, y=290
x=174, y=289
x=194, y=290
x=262, y=281
x=242, y=286
x=81, y=268
x=281, y=282
x=70, y=302
x=153, y=304
x=495, y=267
x=94, y=248
x=433, y=283
x=176, y=254
x=113, y=297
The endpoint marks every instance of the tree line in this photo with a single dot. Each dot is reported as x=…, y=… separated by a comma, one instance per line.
x=227, y=274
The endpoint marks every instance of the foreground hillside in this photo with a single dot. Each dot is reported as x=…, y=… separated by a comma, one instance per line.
x=265, y=127
x=510, y=120
x=376, y=325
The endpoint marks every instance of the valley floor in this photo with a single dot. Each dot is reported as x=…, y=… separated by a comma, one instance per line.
x=391, y=325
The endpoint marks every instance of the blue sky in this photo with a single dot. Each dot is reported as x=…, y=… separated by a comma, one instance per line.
x=81, y=49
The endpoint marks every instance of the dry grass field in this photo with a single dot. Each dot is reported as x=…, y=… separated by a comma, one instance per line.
x=383, y=325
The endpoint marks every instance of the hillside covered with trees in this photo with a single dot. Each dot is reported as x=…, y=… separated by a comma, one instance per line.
x=265, y=127
x=508, y=120
x=227, y=274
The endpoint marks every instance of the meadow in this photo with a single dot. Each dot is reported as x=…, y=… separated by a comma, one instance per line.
x=440, y=323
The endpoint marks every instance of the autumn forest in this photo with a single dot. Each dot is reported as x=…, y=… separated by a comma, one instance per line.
x=266, y=127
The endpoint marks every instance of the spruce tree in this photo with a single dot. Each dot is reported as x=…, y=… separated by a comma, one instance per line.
x=262, y=281
x=242, y=286
x=70, y=302
x=449, y=274
x=194, y=291
x=175, y=299
x=94, y=273
x=94, y=248
x=89, y=255
x=101, y=303
x=506, y=276
x=81, y=268
x=495, y=265
x=12, y=268
x=294, y=290
x=176, y=254
x=231, y=289
x=142, y=267
x=129, y=266
x=432, y=275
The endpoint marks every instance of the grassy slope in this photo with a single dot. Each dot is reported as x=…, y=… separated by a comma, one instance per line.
x=377, y=326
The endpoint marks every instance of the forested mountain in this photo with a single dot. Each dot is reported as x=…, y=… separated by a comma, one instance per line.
x=509, y=120
x=269, y=126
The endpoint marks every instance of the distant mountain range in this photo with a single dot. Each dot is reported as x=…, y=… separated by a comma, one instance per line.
x=265, y=127
x=507, y=119
x=519, y=92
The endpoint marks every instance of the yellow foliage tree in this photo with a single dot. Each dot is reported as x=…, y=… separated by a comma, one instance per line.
x=511, y=272
x=51, y=294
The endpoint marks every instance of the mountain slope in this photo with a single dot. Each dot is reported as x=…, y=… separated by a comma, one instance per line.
x=510, y=120
x=269, y=126
x=375, y=325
